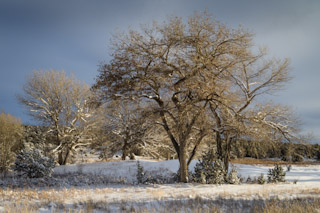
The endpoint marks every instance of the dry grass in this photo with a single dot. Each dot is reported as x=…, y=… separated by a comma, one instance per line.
x=253, y=161
x=156, y=193
x=176, y=197
x=197, y=204
x=238, y=206
x=20, y=207
x=292, y=206
x=315, y=191
x=81, y=194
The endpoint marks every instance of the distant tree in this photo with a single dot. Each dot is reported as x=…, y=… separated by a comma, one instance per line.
x=11, y=132
x=317, y=151
x=203, y=78
x=125, y=126
x=156, y=143
x=129, y=128
x=62, y=104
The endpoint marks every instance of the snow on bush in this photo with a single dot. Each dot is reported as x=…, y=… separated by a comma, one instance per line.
x=212, y=172
x=233, y=177
x=140, y=173
x=32, y=164
x=218, y=176
x=146, y=177
x=204, y=169
x=261, y=179
x=277, y=174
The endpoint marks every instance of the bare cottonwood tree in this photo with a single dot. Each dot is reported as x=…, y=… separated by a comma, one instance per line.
x=61, y=103
x=168, y=64
x=11, y=132
x=201, y=75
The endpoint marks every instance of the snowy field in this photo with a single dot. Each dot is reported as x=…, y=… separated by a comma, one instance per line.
x=127, y=170
x=112, y=187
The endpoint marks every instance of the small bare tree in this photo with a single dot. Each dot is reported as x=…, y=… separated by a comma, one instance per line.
x=61, y=103
x=11, y=132
x=156, y=143
x=125, y=126
x=131, y=128
x=236, y=112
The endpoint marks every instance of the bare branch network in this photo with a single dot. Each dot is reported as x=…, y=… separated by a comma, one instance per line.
x=203, y=80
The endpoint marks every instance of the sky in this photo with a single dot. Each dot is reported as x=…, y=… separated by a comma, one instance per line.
x=74, y=35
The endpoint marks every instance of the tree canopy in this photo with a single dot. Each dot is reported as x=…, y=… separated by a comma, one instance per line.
x=203, y=79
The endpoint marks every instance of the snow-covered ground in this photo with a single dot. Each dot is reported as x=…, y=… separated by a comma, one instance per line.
x=122, y=192
x=127, y=170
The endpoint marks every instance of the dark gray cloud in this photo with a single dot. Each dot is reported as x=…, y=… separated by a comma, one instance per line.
x=74, y=35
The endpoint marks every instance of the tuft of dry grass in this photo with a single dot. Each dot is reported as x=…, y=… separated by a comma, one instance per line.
x=20, y=207
x=156, y=193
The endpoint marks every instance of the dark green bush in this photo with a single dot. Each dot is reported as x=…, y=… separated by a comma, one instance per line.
x=277, y=174
x=33, y=165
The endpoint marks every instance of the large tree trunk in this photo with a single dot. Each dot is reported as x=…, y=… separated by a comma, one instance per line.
x=63, y=156
x=183, y=165
x=66, y=156
x=124, y=151
x=219, y=146
x=60, y=158
x=227, y=154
